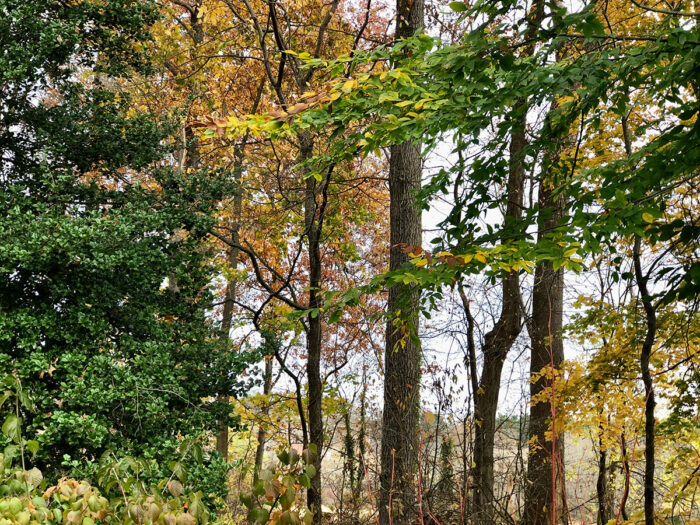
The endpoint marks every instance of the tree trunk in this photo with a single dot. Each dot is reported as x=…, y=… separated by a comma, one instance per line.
x=645, y=355
x=544, y=494
x=312, y=225
x=497, y=344
x=357, y=488
x=229, y=300
x=262, y=434
x=232, y=253
x=602, y=483
x=399, y=450
x=626, y=470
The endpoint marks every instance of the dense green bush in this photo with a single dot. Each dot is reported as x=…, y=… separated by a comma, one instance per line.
x=127, y=490
x=105, y=281
x=275, y=496
x=25, y=499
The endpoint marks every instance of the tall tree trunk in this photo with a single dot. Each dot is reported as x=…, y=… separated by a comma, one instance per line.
x=349, y=469
x=544, y=494
x=313, y=217
x=229, y=301
x=602, y=483
x=497, y=344
x=626, y=470
x=399, y=450
x=545, y=491
x=222, y=437
x=645, y=355
x=262, y=434
x=357, y=488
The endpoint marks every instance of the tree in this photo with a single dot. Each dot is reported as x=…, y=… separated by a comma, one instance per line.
x=104, y=287
x=468, y=91
x=284, y=181
x=399, y=456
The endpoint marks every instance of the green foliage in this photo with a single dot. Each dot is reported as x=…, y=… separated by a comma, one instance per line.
x=274, y=498
x=468, y=94
x=124, y=493
x=25, y=499
x=93, y=225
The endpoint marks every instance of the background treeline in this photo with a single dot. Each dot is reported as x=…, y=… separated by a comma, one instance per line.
x=349, y=262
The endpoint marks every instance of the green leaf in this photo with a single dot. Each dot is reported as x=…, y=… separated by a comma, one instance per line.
x=25, y=400
x=287, y=499
x=12, y=428
x=196, y=507
x=197, y=453
x=458, y=7
x=32, y=446
x=178, y=469
x=4, y=397
x=335, y=316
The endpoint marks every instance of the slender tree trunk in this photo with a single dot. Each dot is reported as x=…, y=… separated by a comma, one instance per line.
x=357, y=488
x=262, y=434
x=313, y=215
x=602, y=483
x=544, y=494
x=222, y=437
x=626, y=469
x=399, y=450
x=226, y=322
x=645, y=355
x=497, y=344
x=349, y=469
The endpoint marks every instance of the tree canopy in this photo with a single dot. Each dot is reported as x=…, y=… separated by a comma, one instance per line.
x=448, y=274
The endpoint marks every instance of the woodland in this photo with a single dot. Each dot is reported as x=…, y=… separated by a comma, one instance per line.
x=349, y=262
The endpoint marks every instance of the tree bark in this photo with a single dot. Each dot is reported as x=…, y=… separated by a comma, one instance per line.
x=262, y=434
x=544, y=493
x=626, y=470
x=229, y=301
x=602, y=483
x=356, y=489
x=313, y=217
x=645, y=355
x=497, y=344
x=399, y=450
